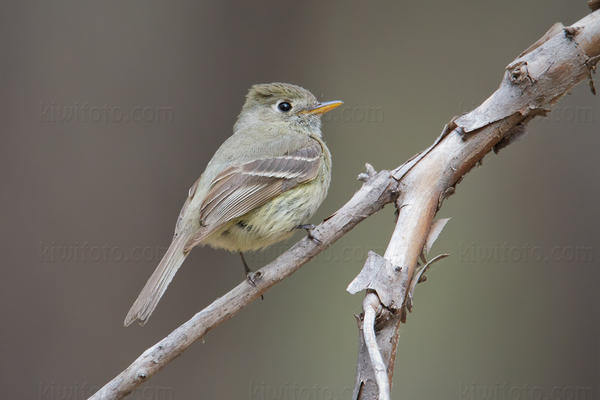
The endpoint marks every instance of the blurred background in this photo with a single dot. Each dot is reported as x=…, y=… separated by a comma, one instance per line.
x=112, y=109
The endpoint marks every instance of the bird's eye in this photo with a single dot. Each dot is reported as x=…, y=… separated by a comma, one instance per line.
x=284, y=106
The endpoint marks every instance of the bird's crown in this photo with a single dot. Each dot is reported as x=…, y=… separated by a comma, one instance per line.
x=265, y=93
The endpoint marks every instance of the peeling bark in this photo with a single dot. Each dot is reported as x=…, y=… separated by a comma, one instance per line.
x=530, y=86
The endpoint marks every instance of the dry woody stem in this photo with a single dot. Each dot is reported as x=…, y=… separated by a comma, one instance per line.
x=531, y=85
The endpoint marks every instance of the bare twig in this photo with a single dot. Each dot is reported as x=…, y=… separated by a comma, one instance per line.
x=531, y=84
x=371, y=308
x=420, y=277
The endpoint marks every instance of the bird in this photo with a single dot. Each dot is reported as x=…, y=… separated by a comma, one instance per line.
x=264, y=182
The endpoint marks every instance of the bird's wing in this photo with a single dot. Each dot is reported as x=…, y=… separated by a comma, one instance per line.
x=242, y=188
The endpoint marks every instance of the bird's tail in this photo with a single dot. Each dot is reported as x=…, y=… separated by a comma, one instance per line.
x=156, y=286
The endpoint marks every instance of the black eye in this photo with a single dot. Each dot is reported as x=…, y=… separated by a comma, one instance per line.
x=284, y=106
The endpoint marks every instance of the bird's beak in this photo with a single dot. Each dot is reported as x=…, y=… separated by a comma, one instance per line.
x=324, y=107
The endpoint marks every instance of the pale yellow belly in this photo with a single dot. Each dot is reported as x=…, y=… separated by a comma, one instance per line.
x=274, y=221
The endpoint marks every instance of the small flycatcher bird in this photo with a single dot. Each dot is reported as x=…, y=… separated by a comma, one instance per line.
x=265, y=181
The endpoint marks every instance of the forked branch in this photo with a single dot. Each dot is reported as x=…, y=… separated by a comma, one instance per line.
x=531, y=85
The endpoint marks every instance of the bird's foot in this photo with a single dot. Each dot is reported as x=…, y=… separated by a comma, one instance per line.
x=309, y=231
x=251, y=277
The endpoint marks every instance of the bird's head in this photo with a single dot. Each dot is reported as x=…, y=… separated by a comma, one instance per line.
x=284, y=103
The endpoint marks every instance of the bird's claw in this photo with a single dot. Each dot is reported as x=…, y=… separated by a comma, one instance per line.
x=309, y=232
x=252, y=277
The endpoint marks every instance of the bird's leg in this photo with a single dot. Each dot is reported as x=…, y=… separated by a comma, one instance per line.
x=249, y=274
x=309, y=231
x=248, y=271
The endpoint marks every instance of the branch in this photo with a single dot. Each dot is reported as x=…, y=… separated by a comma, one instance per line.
x=378, y=190
x=372, y=307
x=532, y=83
x=423, y=182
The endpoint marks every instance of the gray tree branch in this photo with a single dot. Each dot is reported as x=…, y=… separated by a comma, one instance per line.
x=531, y=85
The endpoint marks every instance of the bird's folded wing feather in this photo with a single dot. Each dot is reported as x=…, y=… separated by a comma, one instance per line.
x=242, y=188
